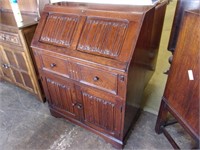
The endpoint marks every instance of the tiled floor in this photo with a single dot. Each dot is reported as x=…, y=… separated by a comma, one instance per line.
x=25, y=123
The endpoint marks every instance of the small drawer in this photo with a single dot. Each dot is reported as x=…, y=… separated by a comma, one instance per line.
x=8, y=37
x=101, y=79
x=55, y=65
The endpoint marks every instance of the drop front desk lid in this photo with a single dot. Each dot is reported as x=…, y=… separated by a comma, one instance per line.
x=100, y=33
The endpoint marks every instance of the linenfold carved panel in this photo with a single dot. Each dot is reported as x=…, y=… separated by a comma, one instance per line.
x=58, y=92
x=59, y=29
x=103, y=36
x=100, y=112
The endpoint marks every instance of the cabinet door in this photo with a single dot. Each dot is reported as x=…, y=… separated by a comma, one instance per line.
x=102, y=114
x=5, y=69
x=60, y=95
x=15, y=68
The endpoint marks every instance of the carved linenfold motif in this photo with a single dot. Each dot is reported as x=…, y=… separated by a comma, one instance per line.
x=56, y=83
x=73, y=69
x=91, y=97
x=106, y=112
x=59, y=29
x=58, y=93
x=103, y=36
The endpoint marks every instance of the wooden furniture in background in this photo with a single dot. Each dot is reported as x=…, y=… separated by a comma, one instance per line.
x=94, y=61
x=16, y=64
x=181, y=96
x=25, y=6
x=182, y=5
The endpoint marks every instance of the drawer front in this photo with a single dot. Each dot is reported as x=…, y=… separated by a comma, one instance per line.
x=12, y=38
x=55, y=65
x=101, y=79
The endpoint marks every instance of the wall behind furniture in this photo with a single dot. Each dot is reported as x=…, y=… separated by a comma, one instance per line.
x=155, y=88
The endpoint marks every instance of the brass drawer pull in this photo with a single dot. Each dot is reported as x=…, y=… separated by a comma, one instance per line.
x=5, y=66
x=78, y=105
x=96, y=78
x=52, y=65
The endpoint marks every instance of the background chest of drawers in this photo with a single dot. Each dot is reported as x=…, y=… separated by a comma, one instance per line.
x=15, y=56
x=95, y=60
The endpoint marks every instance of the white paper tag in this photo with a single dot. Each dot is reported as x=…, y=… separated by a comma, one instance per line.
x=190, y=75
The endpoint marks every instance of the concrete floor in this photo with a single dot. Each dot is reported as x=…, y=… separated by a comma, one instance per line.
x=26, y=124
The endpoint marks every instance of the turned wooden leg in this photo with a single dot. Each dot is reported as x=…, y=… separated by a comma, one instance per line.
x=162, y=117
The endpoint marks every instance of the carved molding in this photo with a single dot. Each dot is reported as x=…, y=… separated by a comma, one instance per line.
x=91, y=97
x=56, y=83
x=73, y=69
x=9, y=38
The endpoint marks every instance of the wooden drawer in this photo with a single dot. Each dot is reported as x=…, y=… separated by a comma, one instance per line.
x=12, y=38
x=55, y=65
x=104, y=80
x=98, y=78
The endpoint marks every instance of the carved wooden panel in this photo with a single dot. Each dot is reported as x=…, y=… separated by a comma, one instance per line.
x=61, y=95
x=73, y=69
x=10, y=38
x=5, y=69
x=102, y=113
x=17, y=76
x=59, y=29
x=102, y=36
x=16, y=69
x=16, y=59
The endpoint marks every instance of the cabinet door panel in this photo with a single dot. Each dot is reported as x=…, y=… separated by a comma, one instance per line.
x=20, y=57
x=60, y=95
x=11, y=58
x=102, y=114
x=16, y=59
x=27, y=80
x=17, y=69
x=17, y=76
x=7, y=73
x=5, y=67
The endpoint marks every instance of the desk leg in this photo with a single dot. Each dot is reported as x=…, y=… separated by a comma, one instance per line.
x=162, y=117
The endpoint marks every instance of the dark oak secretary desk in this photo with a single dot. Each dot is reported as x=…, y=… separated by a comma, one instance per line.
x=95, y=60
